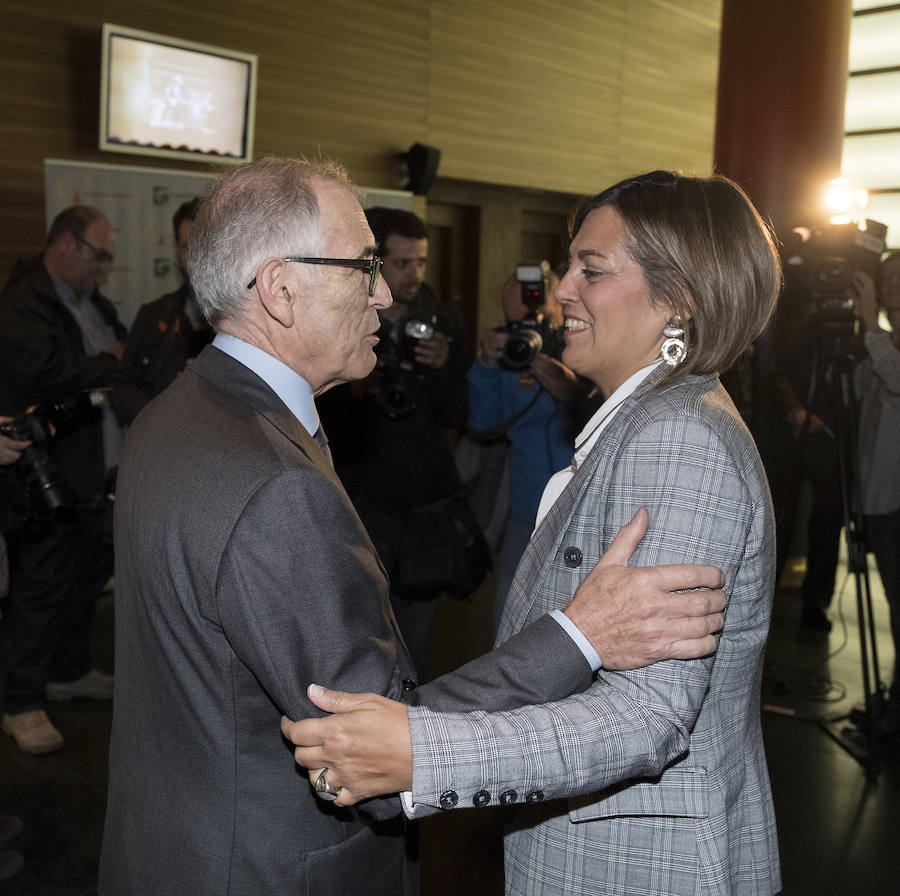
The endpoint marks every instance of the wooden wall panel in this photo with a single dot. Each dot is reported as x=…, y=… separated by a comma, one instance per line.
x=544, y=95
x=667, y=118
x=526, y=92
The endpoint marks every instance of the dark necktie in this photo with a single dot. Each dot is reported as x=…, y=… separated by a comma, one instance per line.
x=322, y=439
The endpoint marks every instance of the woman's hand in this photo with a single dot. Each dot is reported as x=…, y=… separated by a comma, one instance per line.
x=364, y=745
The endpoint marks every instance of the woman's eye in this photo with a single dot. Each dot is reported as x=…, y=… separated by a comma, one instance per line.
x=591, y=276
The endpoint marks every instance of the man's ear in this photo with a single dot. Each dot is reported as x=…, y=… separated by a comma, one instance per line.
x=275, y=293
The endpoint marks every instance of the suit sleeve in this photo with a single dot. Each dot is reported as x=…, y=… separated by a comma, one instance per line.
x=627, y=724
x=538, y=665
x=301, y=598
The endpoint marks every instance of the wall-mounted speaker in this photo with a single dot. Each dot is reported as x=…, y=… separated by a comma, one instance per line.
x=421, y=167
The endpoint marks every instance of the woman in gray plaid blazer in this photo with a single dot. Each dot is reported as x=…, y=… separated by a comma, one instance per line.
x=651, y=781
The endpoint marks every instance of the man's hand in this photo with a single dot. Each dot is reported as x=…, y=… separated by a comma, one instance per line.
x=492, y=346
x=432, y=352
x=554, y=376
x=802, y=421
x=364, y=745
x=631, y=616
x=10, y=449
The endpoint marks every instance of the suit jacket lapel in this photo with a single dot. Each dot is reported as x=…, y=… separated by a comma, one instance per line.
x=228, y=374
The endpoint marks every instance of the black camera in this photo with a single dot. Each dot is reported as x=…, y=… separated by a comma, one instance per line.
x=534, y=333
x=402, y=376
x=820, y=263
x=43, y=491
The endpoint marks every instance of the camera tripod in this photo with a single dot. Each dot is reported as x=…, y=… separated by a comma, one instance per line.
x=853, y=731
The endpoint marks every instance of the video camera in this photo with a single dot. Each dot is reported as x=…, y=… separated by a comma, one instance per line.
x=820, y=263
x=44, y=492
x=402, y=376
x=534, y=333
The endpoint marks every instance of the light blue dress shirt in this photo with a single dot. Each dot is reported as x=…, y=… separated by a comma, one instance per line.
x=287, y=384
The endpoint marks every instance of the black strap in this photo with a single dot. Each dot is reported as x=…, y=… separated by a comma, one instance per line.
x=498, y=434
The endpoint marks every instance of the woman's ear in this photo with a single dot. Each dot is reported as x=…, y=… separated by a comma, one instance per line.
x=275, y=291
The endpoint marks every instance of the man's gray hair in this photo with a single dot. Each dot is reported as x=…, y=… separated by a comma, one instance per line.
x=260, y=210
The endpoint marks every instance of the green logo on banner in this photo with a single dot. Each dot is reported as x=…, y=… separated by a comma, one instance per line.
x=161, y=266
x=160, y=195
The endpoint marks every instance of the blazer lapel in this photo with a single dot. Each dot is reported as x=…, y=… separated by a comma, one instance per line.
x=537, y=561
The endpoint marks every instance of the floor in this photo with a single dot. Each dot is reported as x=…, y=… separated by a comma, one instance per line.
x=837, y=819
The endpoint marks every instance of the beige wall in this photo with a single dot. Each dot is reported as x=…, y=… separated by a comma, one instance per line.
x=559, y=97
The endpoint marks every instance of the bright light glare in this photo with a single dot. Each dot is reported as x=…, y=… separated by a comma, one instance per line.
x=846, y=202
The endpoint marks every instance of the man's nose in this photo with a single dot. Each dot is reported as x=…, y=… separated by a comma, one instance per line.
x=382, y=297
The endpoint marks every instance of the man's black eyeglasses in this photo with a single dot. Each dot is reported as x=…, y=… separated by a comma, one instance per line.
x=101, y=255
x=370, y=266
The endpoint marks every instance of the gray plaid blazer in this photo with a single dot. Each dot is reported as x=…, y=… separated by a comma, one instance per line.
x=652, y=781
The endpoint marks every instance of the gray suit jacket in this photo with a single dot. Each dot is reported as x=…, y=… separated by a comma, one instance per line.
x=652, y=781
x=242, y=575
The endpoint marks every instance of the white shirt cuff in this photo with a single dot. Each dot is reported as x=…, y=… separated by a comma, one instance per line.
x=582, y=643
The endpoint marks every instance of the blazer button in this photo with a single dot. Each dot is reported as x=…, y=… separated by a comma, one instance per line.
x=482, y=798
x=449, y=799
x=508, y=797
x=408, y=684
x=572, y=556
x=536, y=796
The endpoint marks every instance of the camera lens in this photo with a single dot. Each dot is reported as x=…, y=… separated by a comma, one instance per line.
x=418, y=329
x=521, y=349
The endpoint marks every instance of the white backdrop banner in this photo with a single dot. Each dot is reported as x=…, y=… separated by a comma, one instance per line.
x=139, y=203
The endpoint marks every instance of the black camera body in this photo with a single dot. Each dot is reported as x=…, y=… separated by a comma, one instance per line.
x=44, y=493
x=820, y=266
x=402, y=377
x=534, y=333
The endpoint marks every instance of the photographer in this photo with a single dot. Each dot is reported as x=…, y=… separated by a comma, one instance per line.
x=809, y=426
x=59, y=337
x=11, y=861
x=877, y=381
x=532, y=398
x=10, y=451
x=386, y=438
x=166, y=334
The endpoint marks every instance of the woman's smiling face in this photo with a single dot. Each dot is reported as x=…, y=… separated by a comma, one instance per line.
x=612, y=328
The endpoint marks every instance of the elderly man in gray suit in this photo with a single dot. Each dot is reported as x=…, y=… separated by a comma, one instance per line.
x=243, y=573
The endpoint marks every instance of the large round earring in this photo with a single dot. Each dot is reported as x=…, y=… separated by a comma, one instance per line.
x=673, y=350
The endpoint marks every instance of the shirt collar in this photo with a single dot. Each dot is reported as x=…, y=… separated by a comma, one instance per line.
x=67, y=295
x=287, y=384
x=604, y=414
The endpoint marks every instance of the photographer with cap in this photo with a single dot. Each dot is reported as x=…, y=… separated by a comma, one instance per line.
x=877, y=381
x=520, y=390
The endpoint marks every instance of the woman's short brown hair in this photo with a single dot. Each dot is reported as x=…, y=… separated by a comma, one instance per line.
x=705, y=252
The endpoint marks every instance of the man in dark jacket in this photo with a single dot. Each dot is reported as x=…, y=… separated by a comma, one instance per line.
x=165, y=335
x=386, y=432
x=59, y=339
